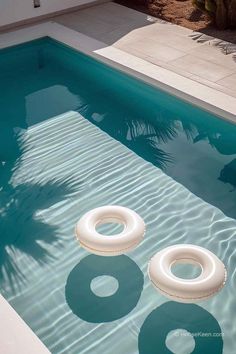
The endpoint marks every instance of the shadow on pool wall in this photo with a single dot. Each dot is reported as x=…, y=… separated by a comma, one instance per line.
x=172, y=316
x=92, y=308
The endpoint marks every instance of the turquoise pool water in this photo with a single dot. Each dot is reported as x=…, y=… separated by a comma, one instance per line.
x=55, y=167
x=43, y=79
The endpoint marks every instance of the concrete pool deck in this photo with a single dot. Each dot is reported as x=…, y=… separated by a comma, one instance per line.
x=201, y=58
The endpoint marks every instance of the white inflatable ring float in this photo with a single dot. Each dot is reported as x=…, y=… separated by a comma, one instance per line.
x=94, y=242
x=208, y=283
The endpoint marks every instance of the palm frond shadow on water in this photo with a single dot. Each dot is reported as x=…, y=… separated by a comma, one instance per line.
x=136, y=132
x=144, y=138
x=21, y=230
x=147, y=137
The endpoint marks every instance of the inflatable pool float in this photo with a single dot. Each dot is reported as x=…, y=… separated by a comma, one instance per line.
x=208, y=283
x=97, y=243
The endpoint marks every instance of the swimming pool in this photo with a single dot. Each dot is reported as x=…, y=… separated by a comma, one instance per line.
x=55, y=167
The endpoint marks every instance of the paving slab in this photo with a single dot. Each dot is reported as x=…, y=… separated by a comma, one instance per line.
x=229, y=81
x=213, y=53
x=203, y=68
x=205, y=59
x=157, y=50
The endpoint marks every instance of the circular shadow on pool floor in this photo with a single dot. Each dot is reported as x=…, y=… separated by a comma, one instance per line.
x=189, y=317
x=92, y=308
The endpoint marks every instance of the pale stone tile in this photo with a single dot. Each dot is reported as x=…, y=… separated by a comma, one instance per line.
x=215, y=55
x=131, y=50
x=173, y=38
x=156, y=50
x=202, y=68
x=163, y=28
x=215, y=85
x=169, y=67
x=229, y=82
x=226, y=47
x=200, y=37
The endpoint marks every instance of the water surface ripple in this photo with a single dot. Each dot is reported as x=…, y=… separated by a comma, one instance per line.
x=72, y=167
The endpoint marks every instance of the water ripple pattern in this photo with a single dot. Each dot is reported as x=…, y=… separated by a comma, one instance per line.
x=67, y=150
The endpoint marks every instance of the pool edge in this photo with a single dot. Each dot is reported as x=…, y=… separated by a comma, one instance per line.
x=198, y=94
x=15, y=334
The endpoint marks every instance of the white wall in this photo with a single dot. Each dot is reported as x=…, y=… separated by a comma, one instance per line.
x=18, y=10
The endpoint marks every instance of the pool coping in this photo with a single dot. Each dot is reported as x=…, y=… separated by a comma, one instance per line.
x=208, y=98
x=15, y=335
